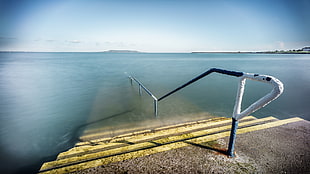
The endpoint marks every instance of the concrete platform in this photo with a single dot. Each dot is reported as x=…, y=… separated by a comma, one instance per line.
x=263, y=145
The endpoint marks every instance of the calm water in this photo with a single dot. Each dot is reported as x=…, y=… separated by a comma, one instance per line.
x=48, y=98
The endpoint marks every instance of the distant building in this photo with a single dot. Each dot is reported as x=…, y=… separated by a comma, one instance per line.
x=306, y=49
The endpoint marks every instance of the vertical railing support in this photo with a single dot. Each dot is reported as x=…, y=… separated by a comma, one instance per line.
x=140, y=90
x=234, y=125
x=232, y=139
x=156, y=107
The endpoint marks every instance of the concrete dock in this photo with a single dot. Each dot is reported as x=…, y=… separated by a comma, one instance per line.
x=265, y=145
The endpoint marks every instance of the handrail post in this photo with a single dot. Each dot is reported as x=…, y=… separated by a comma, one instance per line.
x=156, y=107
x=232, y=138
x=237, y=114
x=234, y=125
x=140, y=90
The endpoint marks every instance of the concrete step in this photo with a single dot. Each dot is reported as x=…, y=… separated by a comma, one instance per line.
x=149, y=134
x=86, y=140
x=145, y=125
x=104, y=151
x=103, y=144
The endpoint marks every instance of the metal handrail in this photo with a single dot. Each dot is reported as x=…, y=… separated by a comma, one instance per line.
x=232, y=73
x=275, y=93
x=237, y=114
x=141, y=86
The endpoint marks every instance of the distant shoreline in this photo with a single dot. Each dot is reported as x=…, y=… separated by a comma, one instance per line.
x=121, y=51
x=305, y=50
x=263, y=52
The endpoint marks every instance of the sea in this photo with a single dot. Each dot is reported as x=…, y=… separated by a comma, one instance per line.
x=47, y=100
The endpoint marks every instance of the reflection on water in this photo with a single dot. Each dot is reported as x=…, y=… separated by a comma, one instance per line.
x=49, y=99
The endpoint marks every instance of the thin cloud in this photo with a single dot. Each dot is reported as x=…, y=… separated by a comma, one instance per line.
x=74, y=41
x=119, y=44
x=5, y=41
x=7, y=38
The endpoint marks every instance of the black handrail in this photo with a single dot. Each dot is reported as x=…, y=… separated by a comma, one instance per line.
x=231, y=73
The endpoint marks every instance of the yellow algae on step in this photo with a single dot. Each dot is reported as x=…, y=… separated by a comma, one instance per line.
x=101, y=134
x=167, y=132
x=198, y=125
x=217, y=119
x=120, y=150
x=147, y=148
x=108, y=131
x=269, y=125
x=92, y=142
x=133, y=139
x=118, y=158
x=147, y=145
x=209, y=137
x=151, y=150
x=245, y=130
x=207, y=131
x=87, y=148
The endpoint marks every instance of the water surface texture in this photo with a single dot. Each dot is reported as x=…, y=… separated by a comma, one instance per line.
x=47, y=99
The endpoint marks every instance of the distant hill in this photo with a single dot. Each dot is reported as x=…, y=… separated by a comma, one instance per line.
x=121, y=51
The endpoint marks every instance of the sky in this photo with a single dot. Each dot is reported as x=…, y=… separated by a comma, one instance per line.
x=154, y=25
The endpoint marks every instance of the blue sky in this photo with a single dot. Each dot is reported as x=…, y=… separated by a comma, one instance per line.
x=154, y=25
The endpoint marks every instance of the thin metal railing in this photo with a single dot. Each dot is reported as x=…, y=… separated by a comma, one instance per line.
x=232, y=73
x=141, y=86
x=237, y=114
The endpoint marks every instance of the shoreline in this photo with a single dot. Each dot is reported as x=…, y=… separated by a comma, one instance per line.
x=203, y=52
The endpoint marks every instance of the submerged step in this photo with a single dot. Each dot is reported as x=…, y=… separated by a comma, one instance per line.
x=152, y=134
x=166, y=130
x=143, y=131
x=135, y=148
x=136, y=137
x=105, y=133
